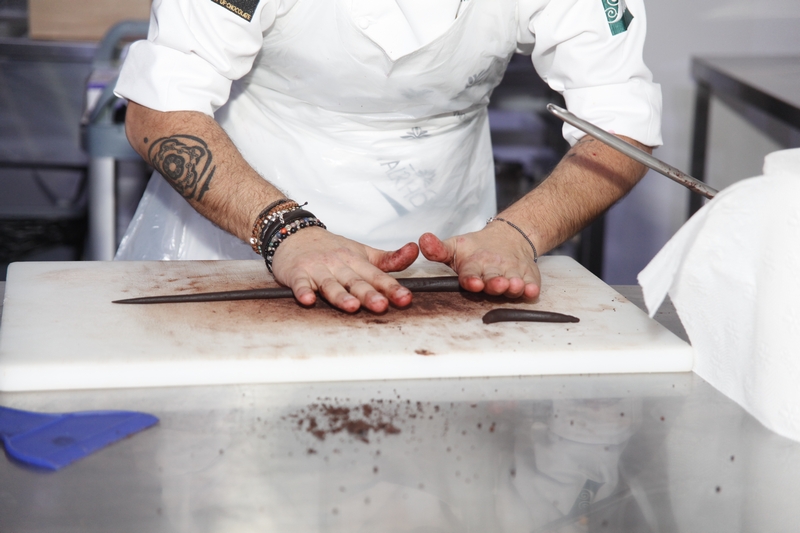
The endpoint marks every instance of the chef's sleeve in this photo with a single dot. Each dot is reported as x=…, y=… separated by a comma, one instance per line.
x=193, y=52
x=590, y=51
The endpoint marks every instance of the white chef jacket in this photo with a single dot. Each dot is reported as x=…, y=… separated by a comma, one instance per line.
x=328, y=89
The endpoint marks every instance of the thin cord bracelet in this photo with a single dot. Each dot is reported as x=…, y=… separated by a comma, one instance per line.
x=535, y=253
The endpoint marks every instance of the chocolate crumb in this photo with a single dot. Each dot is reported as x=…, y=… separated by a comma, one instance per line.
x=323, y=419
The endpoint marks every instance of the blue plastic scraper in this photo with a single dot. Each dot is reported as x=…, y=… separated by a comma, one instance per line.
x=53, y=441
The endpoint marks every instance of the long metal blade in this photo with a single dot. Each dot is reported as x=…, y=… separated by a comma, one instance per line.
x=693, y=184
x=434, y=284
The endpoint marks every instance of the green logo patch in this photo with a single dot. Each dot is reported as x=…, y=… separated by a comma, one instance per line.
x=617, y=15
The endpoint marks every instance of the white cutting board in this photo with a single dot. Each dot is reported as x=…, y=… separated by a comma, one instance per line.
x=61, y=331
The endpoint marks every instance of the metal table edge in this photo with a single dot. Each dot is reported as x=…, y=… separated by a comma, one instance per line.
x=723, y=83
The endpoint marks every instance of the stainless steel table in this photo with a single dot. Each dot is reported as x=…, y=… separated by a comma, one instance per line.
x=647, y=452
x=769, y=84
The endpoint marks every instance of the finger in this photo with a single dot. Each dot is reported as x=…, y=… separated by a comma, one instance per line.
x=471, y=274
x=509, y=284
x=495, y=285
x=391, y=288
x=303, y=290
x=366, y=294
x=385, y=284
x=437, y=250
x=381, y=262
x=516, y=286
x=333, y=291
x=394, y=261
x=533, y=283
x=532, y=290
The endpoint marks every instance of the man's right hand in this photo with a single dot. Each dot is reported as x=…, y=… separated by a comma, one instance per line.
x=346, y=273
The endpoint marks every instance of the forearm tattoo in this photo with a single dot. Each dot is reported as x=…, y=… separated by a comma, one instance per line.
x=186, y=162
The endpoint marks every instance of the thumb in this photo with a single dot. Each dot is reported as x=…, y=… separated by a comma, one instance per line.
x=394, y=261
x=434, y=249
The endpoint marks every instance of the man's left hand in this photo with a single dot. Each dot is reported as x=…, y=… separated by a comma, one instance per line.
x=496, y=260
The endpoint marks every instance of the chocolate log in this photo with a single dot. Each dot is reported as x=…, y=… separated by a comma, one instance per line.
x=526, y=315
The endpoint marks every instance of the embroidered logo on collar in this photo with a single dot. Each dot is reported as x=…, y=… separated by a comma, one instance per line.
x=617, y=15
x=243, y=8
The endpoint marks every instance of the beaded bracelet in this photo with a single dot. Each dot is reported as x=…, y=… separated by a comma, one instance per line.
x=276, y=222
x=288, y=229
x=268, y=215
x=535, y=253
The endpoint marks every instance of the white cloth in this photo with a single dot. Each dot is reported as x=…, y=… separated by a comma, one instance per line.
x=731, y=272
x=373, y=111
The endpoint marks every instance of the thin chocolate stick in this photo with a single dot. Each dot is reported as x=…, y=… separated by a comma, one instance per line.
x=434, y=284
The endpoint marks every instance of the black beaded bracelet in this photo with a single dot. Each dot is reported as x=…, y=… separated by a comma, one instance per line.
x=284, y=232
x=535, y=253
x=280, y=220
x=288, y=224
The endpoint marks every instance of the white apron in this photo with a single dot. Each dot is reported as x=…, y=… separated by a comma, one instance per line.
x=382, y=148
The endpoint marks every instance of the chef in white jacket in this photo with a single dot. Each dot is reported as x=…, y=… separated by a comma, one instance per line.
x=374, y=113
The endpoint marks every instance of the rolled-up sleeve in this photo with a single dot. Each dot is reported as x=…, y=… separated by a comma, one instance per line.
x=601, y=73
x=193, y=52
